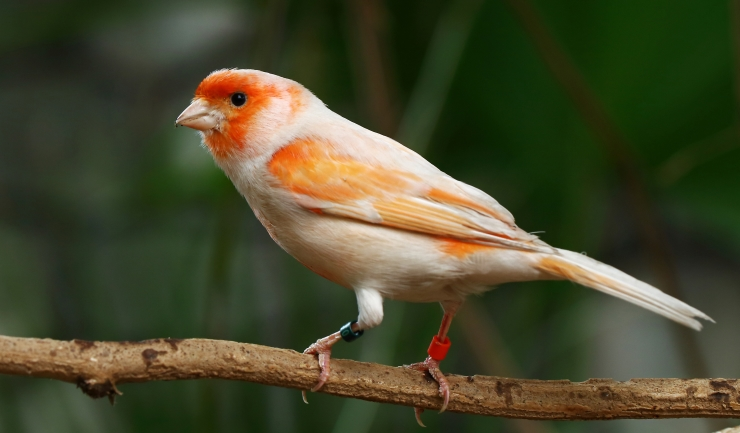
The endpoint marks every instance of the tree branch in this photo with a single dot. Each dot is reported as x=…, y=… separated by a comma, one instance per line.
x=97, y=367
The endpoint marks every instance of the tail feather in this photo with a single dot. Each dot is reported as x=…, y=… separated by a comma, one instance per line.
x=591, y=273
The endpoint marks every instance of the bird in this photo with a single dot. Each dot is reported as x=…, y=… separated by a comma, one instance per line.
x=375, y=217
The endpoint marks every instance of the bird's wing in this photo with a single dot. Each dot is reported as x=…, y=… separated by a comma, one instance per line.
x=427, y=202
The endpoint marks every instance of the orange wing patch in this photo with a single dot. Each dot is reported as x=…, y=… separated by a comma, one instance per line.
x=461, y=249
x=310, y=168
x=418, y=216
x=339, y=185
x=442, y=196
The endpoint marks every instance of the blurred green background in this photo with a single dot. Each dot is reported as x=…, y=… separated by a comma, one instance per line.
x=610, y=126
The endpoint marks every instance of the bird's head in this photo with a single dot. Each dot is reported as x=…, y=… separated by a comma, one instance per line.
x=241, y=111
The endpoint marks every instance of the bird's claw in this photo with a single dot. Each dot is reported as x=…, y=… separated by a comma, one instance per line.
x=322, y=348
x=417, y=413
x=431, y=366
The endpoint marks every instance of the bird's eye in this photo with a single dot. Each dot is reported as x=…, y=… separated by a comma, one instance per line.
x=238, y=99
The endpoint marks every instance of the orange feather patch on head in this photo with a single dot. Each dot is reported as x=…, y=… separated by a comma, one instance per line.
x=217, y=89
x=296, y=100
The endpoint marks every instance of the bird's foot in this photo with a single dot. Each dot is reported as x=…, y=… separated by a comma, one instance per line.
x=322, y=348
x=431, y=366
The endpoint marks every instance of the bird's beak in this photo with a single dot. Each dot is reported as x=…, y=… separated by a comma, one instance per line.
x=199, y=115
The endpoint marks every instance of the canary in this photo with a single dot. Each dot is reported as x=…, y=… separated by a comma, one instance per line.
x=371, y=215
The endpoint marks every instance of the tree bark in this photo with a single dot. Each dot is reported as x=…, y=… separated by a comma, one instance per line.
x=98, y=367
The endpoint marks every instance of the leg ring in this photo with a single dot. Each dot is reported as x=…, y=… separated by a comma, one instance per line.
x=348, y=334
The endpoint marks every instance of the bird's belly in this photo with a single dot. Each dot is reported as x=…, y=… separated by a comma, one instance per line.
x=400, y=264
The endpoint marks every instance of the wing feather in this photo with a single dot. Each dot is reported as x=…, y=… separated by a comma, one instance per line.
x=430, y=203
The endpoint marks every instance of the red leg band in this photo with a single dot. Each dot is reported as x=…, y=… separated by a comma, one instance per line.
x=438, y=350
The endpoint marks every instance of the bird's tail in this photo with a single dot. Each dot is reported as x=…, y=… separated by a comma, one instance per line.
x=591, y=273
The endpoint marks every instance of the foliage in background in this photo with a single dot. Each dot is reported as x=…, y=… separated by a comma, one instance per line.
x=114, y=225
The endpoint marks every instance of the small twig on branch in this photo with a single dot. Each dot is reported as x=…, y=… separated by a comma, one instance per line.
x=97, y=367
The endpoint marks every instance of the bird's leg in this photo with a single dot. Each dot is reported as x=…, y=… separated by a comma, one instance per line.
x=322, y=347
x=437, y=352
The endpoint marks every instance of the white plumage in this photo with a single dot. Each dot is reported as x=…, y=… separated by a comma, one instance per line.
x=366, y=212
